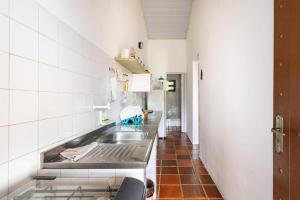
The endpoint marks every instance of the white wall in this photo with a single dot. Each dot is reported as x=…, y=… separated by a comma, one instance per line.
x=50, y=77
x=234, y=40
x=166, y=56
x=111, y=25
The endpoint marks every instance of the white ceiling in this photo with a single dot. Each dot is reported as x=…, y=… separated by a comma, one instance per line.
x=167, y=19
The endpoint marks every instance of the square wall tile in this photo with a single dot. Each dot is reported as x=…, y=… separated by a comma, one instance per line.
x=23, y=139
x=74, y=173
x=48, y=51
x=48, y=132
x=25, y=12
x=4, y=70
x=68, y=37
x=65, y=81
x=48, y=78
x=82, y=122
x=65, y=127
x=48, y=105
x=66, y=58
x=65, y=104
x=4, y=33
x=3, y=144
x=102, y=173
x=23, y=106
x=48, y=24
x=4, y=7
x=4, y=105
x=23, y=41
x=23, y=74
x=22, y=170
x=3, y=180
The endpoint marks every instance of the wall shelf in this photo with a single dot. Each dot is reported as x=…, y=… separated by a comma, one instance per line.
x=132, y=64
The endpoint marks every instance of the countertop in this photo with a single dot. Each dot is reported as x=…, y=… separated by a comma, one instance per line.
x=126, y=156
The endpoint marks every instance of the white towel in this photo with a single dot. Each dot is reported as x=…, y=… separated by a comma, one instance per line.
x=76, y=153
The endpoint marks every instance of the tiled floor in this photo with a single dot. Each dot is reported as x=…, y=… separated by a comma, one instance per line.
x=180, y=172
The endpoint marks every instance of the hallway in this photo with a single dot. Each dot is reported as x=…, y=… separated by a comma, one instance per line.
x=180, y=173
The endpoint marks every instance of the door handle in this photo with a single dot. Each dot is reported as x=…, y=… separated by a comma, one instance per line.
x=277, y=131
x=279, y=135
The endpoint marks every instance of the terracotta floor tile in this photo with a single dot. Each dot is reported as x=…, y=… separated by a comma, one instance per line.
x=158, y=170
x=212, y=191
x=169, y=163
x=184, y=163
x=189, y=179
x=206, y=179
x=166, y=156
x=183, y=157
x=158, y=180
x=170, y=179
x=185, y=170
x=181, y=174
x=158, y=163
x=166, y=151
x=201, y=170
x=170, y=191
x=169, y=170
x=181, y=148
x=192, y=191
x=182, y=152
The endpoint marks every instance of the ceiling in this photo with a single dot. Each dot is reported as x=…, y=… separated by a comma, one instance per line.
x=167, y=19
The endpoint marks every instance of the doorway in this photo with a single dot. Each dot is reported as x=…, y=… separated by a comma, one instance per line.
x=174, y=103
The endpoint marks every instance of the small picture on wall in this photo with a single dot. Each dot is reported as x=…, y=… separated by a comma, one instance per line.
x=172, y=86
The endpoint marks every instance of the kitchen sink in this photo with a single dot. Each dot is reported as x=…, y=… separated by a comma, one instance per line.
x=121, y=137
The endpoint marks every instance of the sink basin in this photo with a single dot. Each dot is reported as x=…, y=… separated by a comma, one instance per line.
x=123, y=137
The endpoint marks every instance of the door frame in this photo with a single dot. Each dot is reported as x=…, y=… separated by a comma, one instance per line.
x=183, y=99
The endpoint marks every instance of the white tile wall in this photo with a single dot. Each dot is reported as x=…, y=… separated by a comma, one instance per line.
x=48, y=105
x=4, y=7
x=48, y=25
x=48, y=51
x=50, y=77
x=25, y=11
x=23, y=139
x=4, y=69
x=4, y=179
x=22, y=170
x=23, y=41
x=65, y=104
x=23, y=106
x=4, y=105
x=23, y=74
x=3, y=144
x=4, y=33
x=48, y=132
x=65, y=125
x=65, y=81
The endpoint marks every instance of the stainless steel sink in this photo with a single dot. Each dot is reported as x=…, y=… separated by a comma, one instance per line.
x=120, y=137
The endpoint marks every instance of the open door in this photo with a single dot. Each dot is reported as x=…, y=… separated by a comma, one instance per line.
x=287, y=100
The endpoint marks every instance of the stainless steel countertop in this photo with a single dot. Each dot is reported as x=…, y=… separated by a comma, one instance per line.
x=107, y=156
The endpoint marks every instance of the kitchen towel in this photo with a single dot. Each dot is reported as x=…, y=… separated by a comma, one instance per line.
x=75, y=154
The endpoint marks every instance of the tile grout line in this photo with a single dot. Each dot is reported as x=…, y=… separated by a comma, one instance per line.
x=9, y=98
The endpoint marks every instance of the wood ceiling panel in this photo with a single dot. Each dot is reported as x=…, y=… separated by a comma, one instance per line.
x=167, y=19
